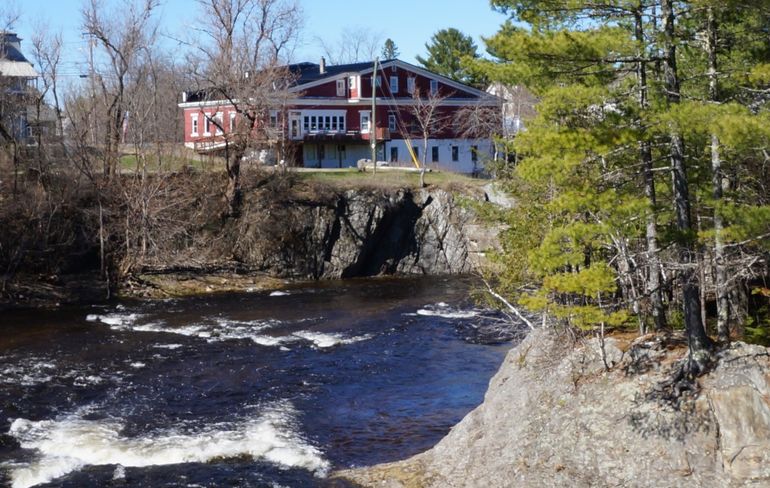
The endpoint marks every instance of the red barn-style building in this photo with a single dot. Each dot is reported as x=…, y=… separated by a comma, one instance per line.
x=328, y=118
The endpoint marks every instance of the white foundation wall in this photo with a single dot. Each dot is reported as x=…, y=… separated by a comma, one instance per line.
x=334, y=157
x=464, y=163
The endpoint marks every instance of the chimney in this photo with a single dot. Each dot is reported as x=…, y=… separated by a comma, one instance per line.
x=10, y=39
x=322, y=66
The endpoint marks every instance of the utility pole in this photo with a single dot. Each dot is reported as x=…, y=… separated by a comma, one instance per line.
x=372, y=123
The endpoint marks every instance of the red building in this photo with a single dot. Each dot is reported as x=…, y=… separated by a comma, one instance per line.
x=328, y=118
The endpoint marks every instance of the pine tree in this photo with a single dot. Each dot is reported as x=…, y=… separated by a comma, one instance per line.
x=448, y=51
x=390, y=50
x=615, y=115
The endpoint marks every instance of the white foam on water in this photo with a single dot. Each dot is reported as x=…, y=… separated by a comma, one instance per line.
x=27, y=372
x=138, y=365
x=443, y=310
x=325, y=340
x=71, y=443
x=279, y=293
x=117, y=321
x=167, y=346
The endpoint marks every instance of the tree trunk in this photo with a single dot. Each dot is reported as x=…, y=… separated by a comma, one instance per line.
x=698, y=342
x=653, y=285
x=722, y=292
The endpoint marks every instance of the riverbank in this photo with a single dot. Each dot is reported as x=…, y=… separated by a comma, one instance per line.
x=553, y=416
x=294, y=227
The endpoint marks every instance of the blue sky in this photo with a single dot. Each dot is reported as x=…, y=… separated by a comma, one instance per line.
x=410, y=23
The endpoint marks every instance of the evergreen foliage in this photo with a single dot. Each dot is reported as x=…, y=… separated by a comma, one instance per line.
x=448, y=52
x=632, y=93
x=390, y=50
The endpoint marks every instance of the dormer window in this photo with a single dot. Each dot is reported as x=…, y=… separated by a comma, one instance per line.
x=340, y=88
x=394, y=84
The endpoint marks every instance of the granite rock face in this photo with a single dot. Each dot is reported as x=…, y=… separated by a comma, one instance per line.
x=359, y=233
x=554, y=417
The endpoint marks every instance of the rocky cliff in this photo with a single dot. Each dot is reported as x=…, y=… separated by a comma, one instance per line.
x=357, y=233
x=554, y=417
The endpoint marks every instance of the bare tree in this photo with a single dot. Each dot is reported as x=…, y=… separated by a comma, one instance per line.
x=122, y=37
x=429, y=120
x=240, y=62
x=355, y=45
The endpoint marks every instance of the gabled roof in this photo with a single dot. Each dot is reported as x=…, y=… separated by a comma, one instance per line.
x=12, y=61
x=310, y=72
x=307, y=75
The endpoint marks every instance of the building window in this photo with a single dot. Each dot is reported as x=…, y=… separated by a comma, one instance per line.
x=474, y=153
x=206, y=124
x=194, y=131
x=455, y=153
x=394, y=84
x=306, y=123
x=434, y=154
x=393, y=154
x=232, y=121
x=342, y=123
x=433, y=87
x=334, y=123
x=392, y=122
x=219, y=119
x=378, y=80
x=313, y=123
x=410, y=85
x=416, y=151
x=327, y=123
x=340, y=88
x=365, y=122
x=274, y=121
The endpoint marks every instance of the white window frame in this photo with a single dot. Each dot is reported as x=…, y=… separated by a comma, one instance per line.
x=194, y=121
x=352, y=82
x=434, y=87
x=341, y=88
x=394, y=84
x=206, y=124
x=232, y=121
x=410, y=85
x=220, y=118
x=392, y=123
x=365, y=115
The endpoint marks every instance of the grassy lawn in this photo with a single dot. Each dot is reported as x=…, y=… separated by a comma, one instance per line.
x=129, y=163
x=352, y=178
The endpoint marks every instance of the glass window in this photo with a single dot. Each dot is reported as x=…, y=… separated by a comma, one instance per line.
x=474, y=153
x=194, y=131
x=306, y=123
x=327, y=123
x=455, y=153
x=232, y=121
x=313, y=123
x=334, y=123
x=393, y=154
x=340, y=88
x=434, y=154
x=392, y=122
x=394, y=84
x=416, y=151
x=433, y=87
x=342, y=123
x=410, y=85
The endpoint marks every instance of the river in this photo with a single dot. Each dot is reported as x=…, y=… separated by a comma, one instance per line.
x=271, y=389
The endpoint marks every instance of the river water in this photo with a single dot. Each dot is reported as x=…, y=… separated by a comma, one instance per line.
x=255, y=389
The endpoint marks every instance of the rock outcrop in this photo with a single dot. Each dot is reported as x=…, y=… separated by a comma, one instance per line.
x=554, y=417
x=358, y=233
